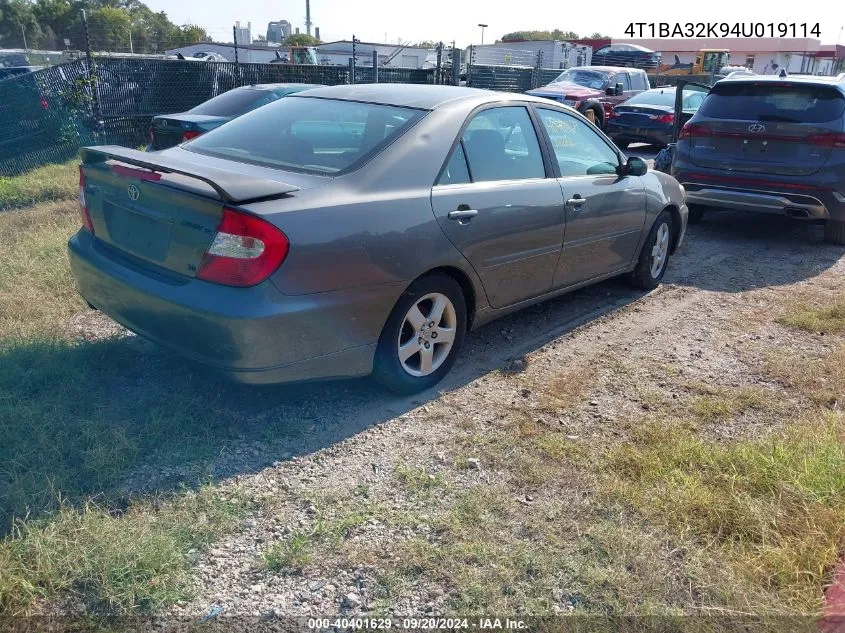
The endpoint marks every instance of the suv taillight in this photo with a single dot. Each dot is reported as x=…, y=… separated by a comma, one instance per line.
x=663, y=118
x=84, y=214
x=245, y=251
x=693, y=129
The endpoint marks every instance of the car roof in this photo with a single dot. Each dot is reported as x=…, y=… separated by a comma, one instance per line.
x=422, y=96
x=839, y=80
x=661, y=89
x=608, y=69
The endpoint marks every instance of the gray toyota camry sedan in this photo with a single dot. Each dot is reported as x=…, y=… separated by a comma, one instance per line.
x=351, y=230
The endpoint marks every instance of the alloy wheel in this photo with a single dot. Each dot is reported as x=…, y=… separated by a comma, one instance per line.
x=427, y=334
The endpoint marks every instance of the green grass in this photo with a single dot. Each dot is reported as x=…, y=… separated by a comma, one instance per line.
x=289, y=555
x=771, y=511
x=827, y=319
x=48, y=183
x=137, y=561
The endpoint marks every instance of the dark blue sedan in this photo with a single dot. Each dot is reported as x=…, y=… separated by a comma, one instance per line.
x=168, y=130
x=648, y=117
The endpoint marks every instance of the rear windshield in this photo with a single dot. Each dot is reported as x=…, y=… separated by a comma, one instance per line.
x=653, y=97
x=235, y=102
x=311, y=135
x=788, y=103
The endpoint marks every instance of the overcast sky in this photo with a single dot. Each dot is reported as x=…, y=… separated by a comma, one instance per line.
x=447, y=20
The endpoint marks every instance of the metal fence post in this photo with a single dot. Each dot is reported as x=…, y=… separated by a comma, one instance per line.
x=535, y=76
x=470, y=61
x=437, y=76
x=456, y=66
x=237, y=63
x=351, y=77
x=93, y=82
x=375, y=66
x=353, y=61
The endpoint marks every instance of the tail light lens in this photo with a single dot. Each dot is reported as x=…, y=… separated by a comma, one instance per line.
x=828, y=139
x=612, y=114
x=663, y=118
x=693, y=129
x=189, y=134
x=84, y=215
x=245, y=251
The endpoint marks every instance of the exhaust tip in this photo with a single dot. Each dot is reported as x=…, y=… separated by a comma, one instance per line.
x=794, y=212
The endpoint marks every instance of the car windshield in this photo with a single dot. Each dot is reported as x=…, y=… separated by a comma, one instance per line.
x=586, y=78
x=325, y=136
x=235, y=102
x=786, y=103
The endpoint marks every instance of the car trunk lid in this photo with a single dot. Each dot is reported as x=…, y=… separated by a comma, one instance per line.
x=164, y=209
x=766, y=127
x=641, y=115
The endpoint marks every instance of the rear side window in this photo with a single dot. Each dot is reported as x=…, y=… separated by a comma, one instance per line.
x=305, y=134
x=787, y=103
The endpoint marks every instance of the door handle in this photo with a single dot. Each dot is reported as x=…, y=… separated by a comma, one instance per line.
x=576, y=201
x=463, y=215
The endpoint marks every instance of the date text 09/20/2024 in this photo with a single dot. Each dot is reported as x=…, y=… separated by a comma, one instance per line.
x=722, y=29
x=419, y=624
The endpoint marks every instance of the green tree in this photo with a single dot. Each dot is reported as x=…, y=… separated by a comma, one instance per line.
x=522, y=36
x=301, y=39
x=599, y=36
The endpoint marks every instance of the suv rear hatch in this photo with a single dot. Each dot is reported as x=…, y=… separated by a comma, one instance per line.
x=770, y=127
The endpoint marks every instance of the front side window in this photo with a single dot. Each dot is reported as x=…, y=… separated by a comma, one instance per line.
x=501, y=144
x=325, y=136
x=578, y=149
x=622, y=78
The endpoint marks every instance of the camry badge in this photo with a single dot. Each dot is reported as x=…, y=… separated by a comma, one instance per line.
x=134, y=192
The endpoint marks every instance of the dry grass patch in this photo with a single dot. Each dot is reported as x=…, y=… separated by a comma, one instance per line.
x=37, y=290
x=818, y=377
x=771, y=511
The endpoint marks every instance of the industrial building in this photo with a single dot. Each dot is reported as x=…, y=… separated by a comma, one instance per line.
x=555, y=54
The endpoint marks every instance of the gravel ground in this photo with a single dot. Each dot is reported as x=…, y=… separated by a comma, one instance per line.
x=346, y=437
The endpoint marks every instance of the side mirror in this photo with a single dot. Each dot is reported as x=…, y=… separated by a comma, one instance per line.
x=635, y=166
x=611, y=91
x=620, y=88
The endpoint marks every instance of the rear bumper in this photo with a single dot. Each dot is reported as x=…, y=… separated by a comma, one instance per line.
x=763, y=197
x=637, y=135
x=256, y=335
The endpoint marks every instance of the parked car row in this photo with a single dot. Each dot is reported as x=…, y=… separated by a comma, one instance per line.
x=348, y=230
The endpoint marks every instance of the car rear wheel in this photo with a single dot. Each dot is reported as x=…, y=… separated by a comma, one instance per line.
x=422, y=336
x=834, y=231
x=654, y=257
x=695, y=214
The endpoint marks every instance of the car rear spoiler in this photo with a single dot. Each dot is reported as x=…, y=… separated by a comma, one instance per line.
x=231, y=186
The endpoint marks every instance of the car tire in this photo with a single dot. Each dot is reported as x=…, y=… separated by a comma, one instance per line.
x=654, y=257
x=695, y=214
x=421, y=369
x=834, y=232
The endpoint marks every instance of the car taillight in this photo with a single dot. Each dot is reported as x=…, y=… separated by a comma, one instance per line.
x=827, y=139
x=84, y=215
x=189, y=134
x=245, y=251
x=663, y=118
x=693, y=129
x=612, y=114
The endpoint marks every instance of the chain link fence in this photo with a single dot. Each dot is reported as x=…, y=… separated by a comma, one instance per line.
x=48, y=115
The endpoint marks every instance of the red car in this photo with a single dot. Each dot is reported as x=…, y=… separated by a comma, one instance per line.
x=594, y=90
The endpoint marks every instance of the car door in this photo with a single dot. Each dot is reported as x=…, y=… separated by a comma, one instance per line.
x=688, y=98
x=605, y=212
x=498, y=202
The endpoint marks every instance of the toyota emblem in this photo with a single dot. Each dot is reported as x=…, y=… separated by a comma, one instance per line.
x=134, y=192
x=756, y=128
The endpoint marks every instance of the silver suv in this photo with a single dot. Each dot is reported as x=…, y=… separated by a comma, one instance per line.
x=768, y=144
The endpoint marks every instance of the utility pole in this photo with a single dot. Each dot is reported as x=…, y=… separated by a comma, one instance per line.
x=23, y=35
x=308, y=16
x=131, y=48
